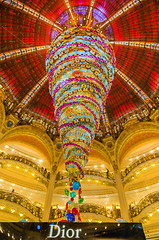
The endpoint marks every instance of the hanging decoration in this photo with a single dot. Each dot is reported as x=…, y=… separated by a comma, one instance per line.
x=80, y=66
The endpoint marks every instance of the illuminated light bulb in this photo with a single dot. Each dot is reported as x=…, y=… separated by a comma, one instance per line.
x=33, y=174
x=21, y=214
x=40, y=160
x=8, y=165
x=153, y=165
x=144, y=169
x=137, y=172
x=13, y=150
x=17, y=167
x=89, y=180
x=150, y=214
x=12, y=210
x=6, y=146
x=102, y=165
x=95, y=166
x=26, y=170
x=96, y=180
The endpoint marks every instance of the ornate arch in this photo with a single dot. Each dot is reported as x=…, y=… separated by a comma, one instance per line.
x=34, y=137
x=132, y=136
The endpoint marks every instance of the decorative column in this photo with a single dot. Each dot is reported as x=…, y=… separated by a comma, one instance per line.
x=49, y=194
x=122, y=198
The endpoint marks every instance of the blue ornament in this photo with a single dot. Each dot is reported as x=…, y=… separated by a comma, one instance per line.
x=76, y=185
x=69, y=202
x=70, y=217
x=72, y=194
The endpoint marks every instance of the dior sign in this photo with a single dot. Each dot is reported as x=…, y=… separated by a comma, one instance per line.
x=58, y=231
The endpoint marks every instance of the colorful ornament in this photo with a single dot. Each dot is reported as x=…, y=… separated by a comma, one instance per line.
x=66, y=192
x=75, y=211
x=72, y=194
x=80, y=200
x=76, y=185
x=70, y=217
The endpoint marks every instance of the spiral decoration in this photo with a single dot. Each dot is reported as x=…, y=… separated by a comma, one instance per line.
x=80, y=66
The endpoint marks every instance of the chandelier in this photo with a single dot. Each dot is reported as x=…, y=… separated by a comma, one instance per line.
x=80, y=66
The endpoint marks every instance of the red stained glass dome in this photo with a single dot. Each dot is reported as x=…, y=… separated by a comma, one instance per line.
x=28, y=28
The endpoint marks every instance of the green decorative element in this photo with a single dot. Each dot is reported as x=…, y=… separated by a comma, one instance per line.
x=66, y=192
x=80, y=200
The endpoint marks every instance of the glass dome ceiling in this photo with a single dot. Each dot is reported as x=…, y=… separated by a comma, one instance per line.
x=27, y=29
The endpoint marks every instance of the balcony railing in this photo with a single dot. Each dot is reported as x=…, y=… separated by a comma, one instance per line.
x=22, y=201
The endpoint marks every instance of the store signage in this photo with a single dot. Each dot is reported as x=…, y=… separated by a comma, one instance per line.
x=58, y=231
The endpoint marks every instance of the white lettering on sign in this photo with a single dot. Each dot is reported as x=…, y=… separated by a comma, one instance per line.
x=56, y=231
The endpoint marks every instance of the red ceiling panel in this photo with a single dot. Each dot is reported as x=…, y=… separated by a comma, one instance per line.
x=42, y=103
x=141, y=66
x=22, y=73
x=139, y=23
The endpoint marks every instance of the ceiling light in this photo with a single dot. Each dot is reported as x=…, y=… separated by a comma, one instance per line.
x=33, y=174
x=6, y=146
x=157, y=148
x=144, y=169
x=147, y=187
x=12, y=210
x=40, y=160
x=33, y=158
x=17, y=167
x=153, y=165
x=8, y=165
x=150, y=214
x=2, y=207
x=13, y=150
x=89, y=180
x=151, y=151
x=137, y=173
x=26, y=170
x=102, y=165
x=130, y=159
x=97, y=181
x=95, y=166
x=157, y=210
x=1, y=180
x=137, y=157
x=21, y=214
x=144, y=155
